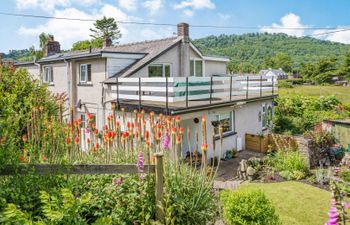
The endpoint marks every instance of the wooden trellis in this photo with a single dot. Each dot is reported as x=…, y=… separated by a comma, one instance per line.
x=48, y=169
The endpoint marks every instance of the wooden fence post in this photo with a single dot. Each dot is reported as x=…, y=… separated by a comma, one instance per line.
x=159, y=187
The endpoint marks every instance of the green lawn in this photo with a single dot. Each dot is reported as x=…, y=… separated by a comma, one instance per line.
x=343, y=93
x=296, y=203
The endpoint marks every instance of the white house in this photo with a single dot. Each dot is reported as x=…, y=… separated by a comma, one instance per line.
x=169, y=76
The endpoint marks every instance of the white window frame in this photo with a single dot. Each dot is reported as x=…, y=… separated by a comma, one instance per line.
x=48, y=75
x=194, y=66
x=163, y=68
x=233, y=122
x=86, y=81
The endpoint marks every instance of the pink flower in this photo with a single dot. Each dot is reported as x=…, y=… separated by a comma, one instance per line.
x=141, y=162
x=166, y=141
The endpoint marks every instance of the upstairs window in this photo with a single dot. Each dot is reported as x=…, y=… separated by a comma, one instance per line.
x=85, y=73
x=226, y=121
x=159, y=70
x=196, y=67
x=48, y=75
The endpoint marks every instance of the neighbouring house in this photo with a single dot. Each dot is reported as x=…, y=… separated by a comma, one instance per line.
x=170, y=76
x=277, y=74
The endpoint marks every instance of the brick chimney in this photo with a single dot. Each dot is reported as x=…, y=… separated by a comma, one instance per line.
x=183, y=32
x=107, y=42
x=51, y=47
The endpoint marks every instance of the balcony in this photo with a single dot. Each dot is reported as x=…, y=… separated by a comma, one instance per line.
x=180, y=93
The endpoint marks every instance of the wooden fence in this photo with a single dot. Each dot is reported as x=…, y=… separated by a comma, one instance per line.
x=48, y=169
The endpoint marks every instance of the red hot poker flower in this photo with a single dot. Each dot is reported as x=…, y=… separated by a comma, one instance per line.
x=68, y=140
x=177, y=119
x=182, y=130
x=44, y=158
x=76, y=139
x=147, y=135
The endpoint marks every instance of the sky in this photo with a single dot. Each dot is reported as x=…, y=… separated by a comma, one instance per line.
x=22, y=32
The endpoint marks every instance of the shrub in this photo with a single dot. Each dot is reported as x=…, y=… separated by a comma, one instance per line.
x=290, y=164
x=284, y=84
x=188, y=196
x=247, y=207
x=345, y=175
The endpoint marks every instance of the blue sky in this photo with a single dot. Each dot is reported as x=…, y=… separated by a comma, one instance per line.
x=20, y=33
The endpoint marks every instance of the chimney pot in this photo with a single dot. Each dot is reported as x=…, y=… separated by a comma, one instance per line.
x=107, y=42
x=51, y=47
x=183, y=30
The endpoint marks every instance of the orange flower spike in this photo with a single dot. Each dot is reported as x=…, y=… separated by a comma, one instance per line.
x=178, y=139
x=173, y=130
x=204, y=147
x=147, y=135
x=89, y=116
x=128, y=124
x=137, y=134
x=169, y=118
x=68, y=140
x=182, y=130
x=148, y=143
x=41, y=108
x=24, y=138
x=105, y=127
x=22, y=158
x=159, y=135
x=88, y=140
x=76, y=139
x=178, y=119
x=44, y=158
x=117, y=124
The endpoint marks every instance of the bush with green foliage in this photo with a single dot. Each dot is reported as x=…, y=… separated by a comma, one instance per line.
x=188, y=196
x=247, y=207
x=298, y=114
x=291, y=164
x=19, y=94
x=284, y=84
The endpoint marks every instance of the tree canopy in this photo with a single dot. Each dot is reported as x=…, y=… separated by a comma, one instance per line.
x=106, y=28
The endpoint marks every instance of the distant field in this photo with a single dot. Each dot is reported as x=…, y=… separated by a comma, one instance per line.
x=342, y=93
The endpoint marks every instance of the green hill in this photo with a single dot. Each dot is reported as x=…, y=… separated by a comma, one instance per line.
x=255, y=49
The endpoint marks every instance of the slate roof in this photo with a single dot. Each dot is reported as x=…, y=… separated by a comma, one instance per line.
x=151, y=49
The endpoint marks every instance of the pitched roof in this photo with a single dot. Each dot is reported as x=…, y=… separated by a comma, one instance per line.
x=151, y=49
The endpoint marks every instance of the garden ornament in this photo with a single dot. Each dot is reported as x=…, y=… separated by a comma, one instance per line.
x=242, y=170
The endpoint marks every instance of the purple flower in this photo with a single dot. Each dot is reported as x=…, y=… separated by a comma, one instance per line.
x=333, y=216
x=346, y=205
x=166, y=141
x=118, y=181
x=141, y=162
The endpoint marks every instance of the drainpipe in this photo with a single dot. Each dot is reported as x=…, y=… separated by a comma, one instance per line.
x=68, y=79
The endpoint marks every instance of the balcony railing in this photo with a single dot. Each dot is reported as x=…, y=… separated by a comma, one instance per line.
x=184, y=92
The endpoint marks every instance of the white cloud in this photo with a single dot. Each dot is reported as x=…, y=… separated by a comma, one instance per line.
x=129, y=5
x=153, y=6
x=288, y=21
x=195, y=4
x=68, y=32
x=188, y=12
x=50, y=5
x=188, y=6
x=342, y=36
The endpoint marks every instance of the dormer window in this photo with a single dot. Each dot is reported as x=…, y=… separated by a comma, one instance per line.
x=48, y=75
x=159, y=70
x=196, y=67
x=85, y=73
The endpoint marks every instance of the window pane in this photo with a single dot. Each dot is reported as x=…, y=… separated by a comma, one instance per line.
x=225, y=120
x=155, y=70
x=89, y=72
x=46, y=76
x=83, y=73
x=167, y=70
x=191, y=67
x=51, y=74
x=199, y=69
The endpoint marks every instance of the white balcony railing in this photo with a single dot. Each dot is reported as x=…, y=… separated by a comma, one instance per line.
x=185, y=90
